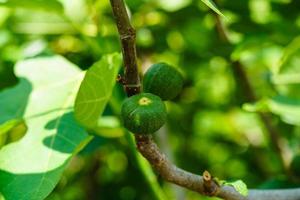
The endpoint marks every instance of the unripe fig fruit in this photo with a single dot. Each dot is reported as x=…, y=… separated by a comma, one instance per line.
x=163, y=80
x=143, y=113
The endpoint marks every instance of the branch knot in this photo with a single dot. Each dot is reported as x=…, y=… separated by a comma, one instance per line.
x=211, y=188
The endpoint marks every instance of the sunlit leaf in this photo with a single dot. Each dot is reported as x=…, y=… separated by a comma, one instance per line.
x=288, y=109
x=109, y=126
x=260, y=11
x=173, y=5
x=239, y=186
x=4, y=128
x=31, y=167
x=292, y=78
x=96, y=89
x=213, y=6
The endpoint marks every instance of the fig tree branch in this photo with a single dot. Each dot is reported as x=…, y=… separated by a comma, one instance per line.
x=205, y=184
x=171, y=173
x=127, y=36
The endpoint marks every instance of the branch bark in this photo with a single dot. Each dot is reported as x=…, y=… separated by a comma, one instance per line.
x=173, y=174
x=205, y=184
x=127, y=36
x=200, y=184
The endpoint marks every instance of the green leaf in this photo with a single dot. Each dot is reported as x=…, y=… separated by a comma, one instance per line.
x=291, y=78
x=261, y=105
x=96, y=89
x=31, y=167
x=52, y=5
x=7, y=126
x=213, y=6
x=173, y=5
x=287, y=108
x=287, y=70
x=13, y=101
x=109, y=127
x=239, y=186
x=12, y=109
x=289, y=51
x=12, y=131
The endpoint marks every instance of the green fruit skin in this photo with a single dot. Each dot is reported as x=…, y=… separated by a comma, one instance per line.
x=163, y=80
x=143, y=119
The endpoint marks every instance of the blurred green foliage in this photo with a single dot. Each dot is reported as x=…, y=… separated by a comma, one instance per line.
x=208, y=127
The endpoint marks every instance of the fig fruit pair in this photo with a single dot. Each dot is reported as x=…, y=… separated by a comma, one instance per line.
x=145, y=113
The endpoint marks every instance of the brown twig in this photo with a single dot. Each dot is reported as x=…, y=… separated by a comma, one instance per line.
x=211, y=188
x=127, y=36
x=147, y=147
x=173, y=174
x=203, y=184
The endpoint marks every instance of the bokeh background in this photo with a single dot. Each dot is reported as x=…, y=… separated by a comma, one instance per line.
x=211, y=126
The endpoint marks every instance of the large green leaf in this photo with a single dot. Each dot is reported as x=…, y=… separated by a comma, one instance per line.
x=31, y=167
x=95, y=90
